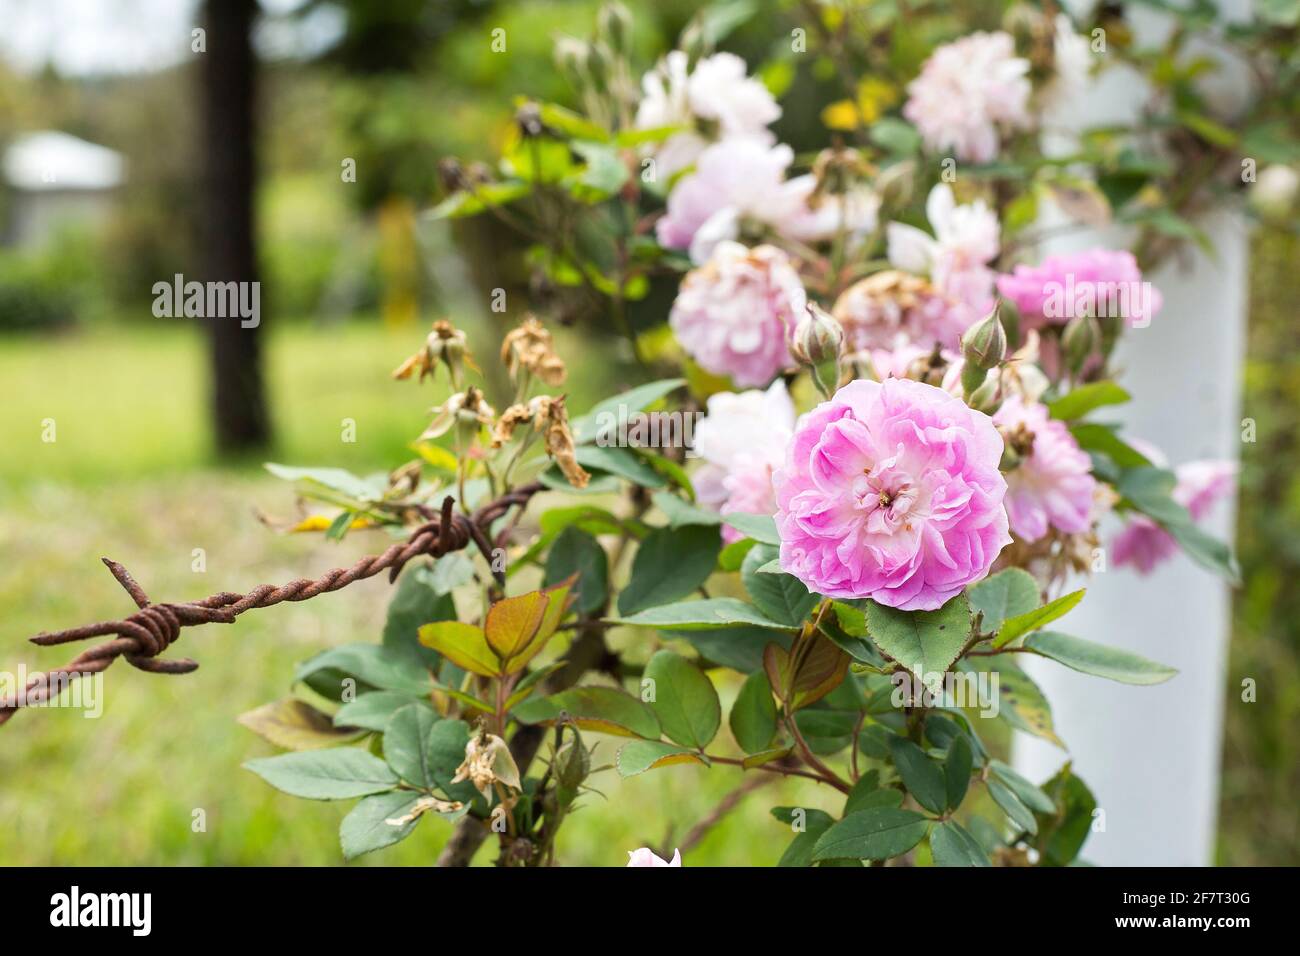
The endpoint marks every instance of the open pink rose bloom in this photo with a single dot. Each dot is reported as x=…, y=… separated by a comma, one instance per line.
x=891, y=491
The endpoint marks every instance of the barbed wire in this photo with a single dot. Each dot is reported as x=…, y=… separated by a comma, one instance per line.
x=144, y=635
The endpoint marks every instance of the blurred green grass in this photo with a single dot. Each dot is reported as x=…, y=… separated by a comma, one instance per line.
x=128, y=477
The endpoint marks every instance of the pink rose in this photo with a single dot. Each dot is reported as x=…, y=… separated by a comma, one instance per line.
x=1053, y=484
x=732, y=315
x=1095, y=282
x=738, y=178
x=968, y=93
x=892, y=491
x=646, y=857
x=1144, y=544
x=742, y=440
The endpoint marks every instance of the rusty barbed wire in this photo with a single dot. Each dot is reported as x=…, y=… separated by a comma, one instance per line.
x=142, y=636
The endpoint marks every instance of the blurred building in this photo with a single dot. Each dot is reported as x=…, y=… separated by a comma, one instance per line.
x=53, y=180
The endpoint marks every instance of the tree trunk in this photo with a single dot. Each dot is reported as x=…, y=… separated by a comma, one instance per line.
x=228, y=73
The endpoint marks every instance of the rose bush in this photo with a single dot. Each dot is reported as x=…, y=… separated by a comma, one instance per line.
x=904, y=463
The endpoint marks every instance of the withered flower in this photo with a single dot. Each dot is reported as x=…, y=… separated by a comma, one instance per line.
x=423, y=806
x=445, y=344
x=466, y=410
x=488, y=762
x=549, y=416
x=529, y=347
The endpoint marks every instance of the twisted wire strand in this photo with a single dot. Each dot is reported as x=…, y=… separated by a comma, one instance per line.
x=144, y=635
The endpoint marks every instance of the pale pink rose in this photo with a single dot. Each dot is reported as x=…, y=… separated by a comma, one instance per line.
x=717, y=92
x=1143, y=544
x=646, y=857
x=1053, y=484
x=738, y=178
x=956, y=258
x=742, y=440
x=891, y=310
x=853, y=212
x=1095, y=282
x=733, y=314
x=968, y=94
x=891, y=491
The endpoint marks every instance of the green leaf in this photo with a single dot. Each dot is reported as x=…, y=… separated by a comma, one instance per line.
x=296, y=725
x=576, y=552
x=369, y=664
x=1207, y=551
x=732, y=555
x=463, y=644
x=685, y=700
x=740, y=648
x=447, y=742
x=707, y=613
x=781, y=597
x=1006, y=594
x=1011, y=805
x=464, y=203
x=1021, y=704
x=922, y=777
x=406, y=744
x=957, y=769
x=638, y=756
x=366, y=827
x=1061, y=835
x=423, y=595
x=1028, y=794
x=1014, y=627
x=952, y=845
x=876, y=833
x=1093, y=436
x=621, y=462
x=679, y=512
x=762, y=528
x=603, y=709
x=605, y=417
x=336, y=774
x=800, y=850
x=753, y=715
x=1098, y=659
x=1081, y=400
x=669, y=564
x=329, y=479
x=925, y=642
x=372, y=711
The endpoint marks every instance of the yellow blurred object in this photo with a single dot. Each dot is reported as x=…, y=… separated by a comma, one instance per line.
x=322, y=523
x=398, y=263
x=874, y=96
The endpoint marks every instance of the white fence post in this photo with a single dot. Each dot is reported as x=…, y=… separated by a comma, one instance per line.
x=1152, y=754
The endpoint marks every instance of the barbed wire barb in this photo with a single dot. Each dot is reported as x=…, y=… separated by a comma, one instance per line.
x=141, y=637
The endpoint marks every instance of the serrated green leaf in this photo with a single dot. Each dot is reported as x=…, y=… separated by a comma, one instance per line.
x=1021, y=624
x=999, y=596
x=685, y=700
x=877, y=833
x=925, y=642
x=669, y=564
x=952, y=845
x=337, y=774
x=1098, y=659
x=922, y=777
x=638, y=756
x=753, y=715
x=706, y=613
